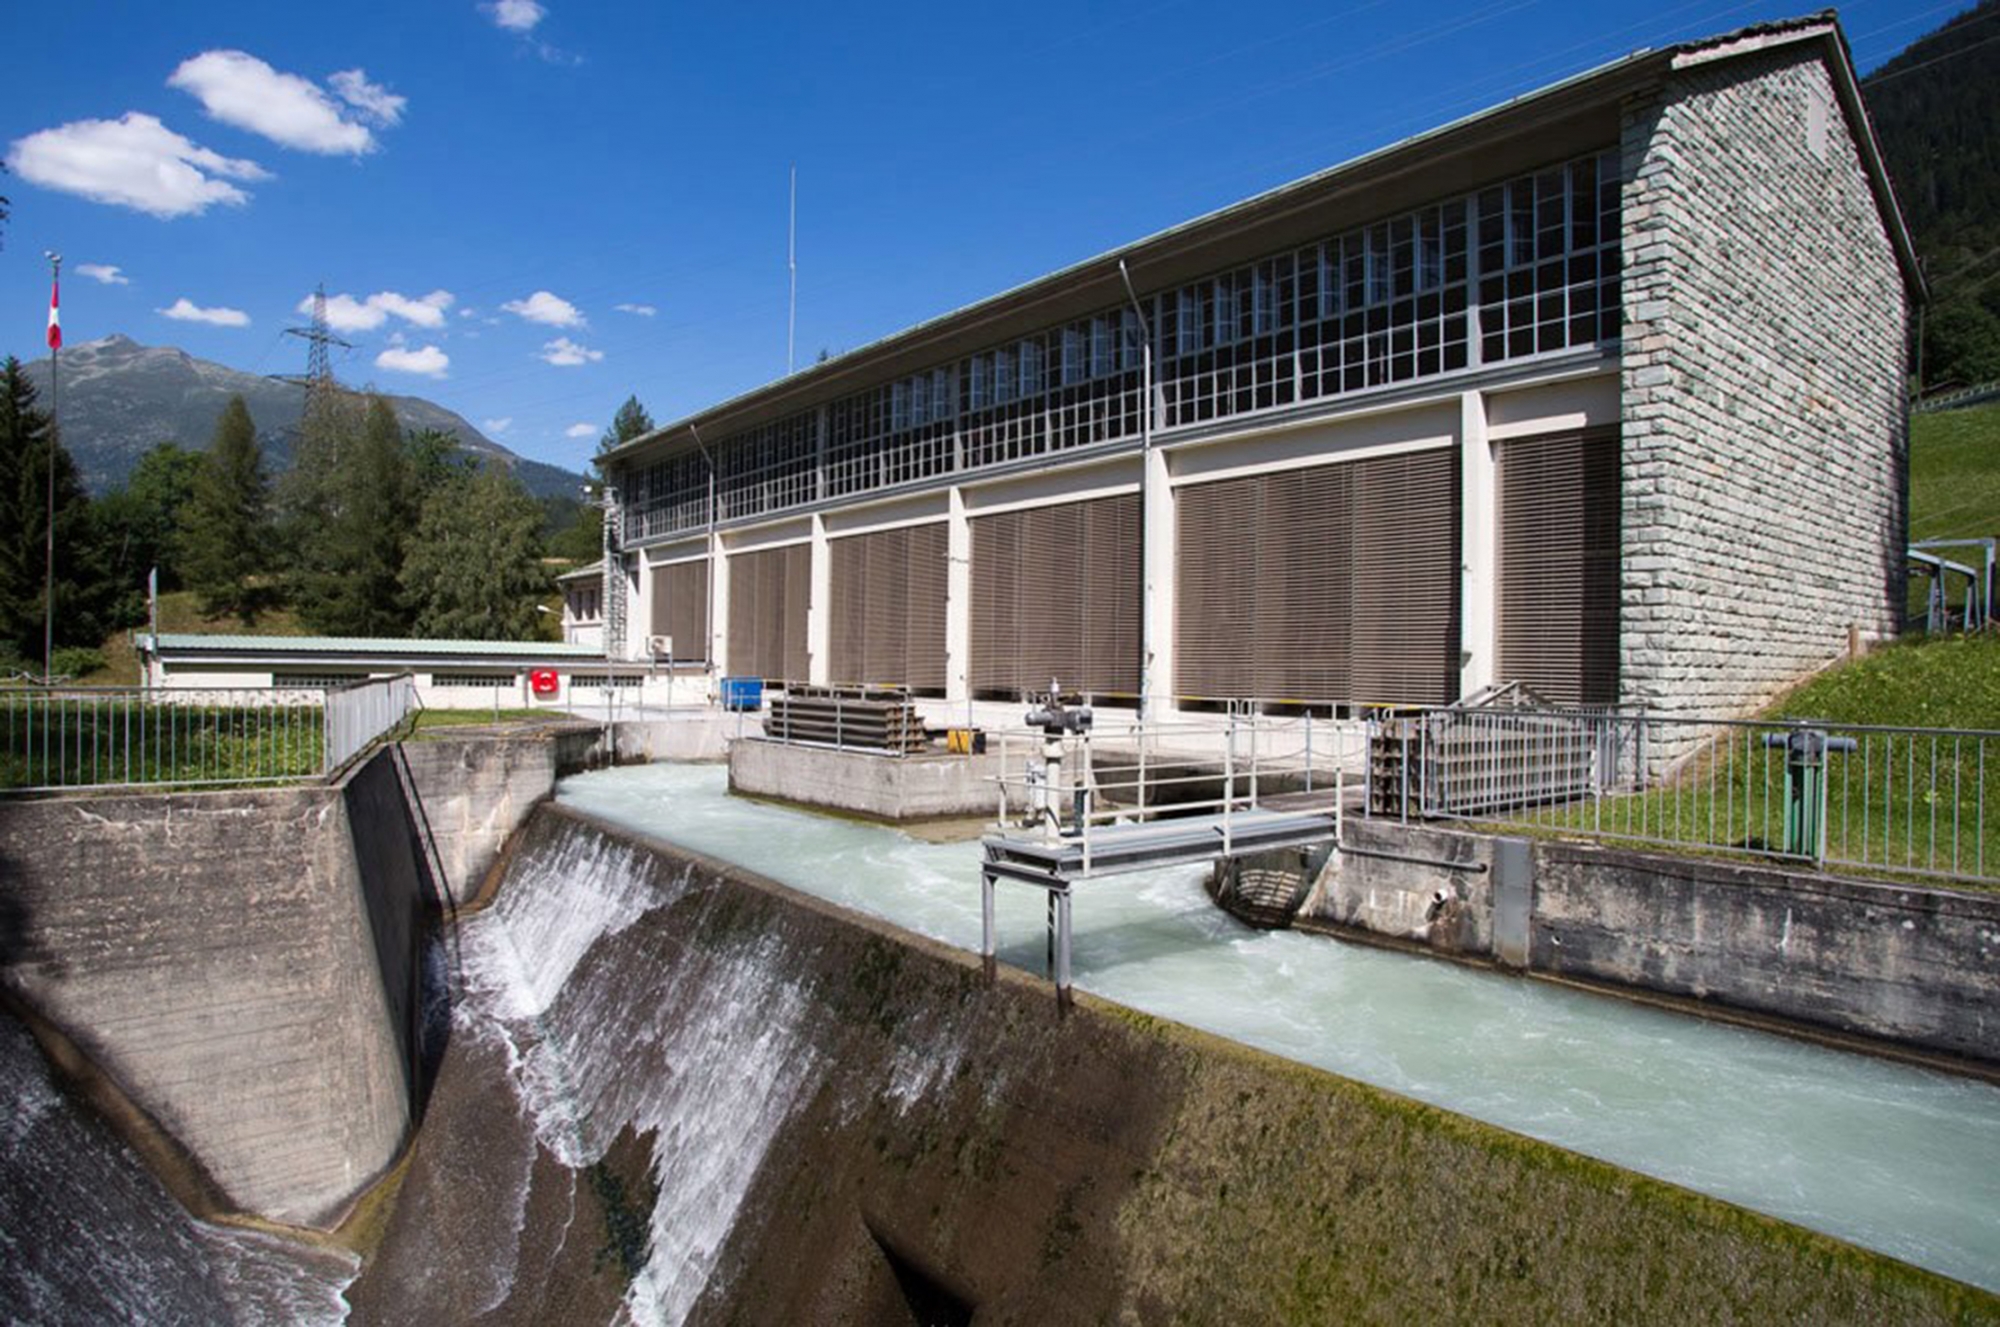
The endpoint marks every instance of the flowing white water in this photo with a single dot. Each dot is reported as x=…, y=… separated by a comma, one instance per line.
x=1895, y=1158
x=590, y=1056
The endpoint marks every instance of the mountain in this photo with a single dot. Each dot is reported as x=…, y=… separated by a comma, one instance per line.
x=120, y=398
x=1935, y=108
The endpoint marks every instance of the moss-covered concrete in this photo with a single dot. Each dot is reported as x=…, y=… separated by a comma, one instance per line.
x=1106, y=1166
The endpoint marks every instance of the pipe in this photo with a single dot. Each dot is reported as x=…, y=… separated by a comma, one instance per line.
x=1145, y=491
x=1475, y=868
x=708, y=599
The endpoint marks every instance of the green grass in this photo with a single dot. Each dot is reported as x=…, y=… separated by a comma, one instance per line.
x=431, y=720
x=1955, y=474
x=56, y=742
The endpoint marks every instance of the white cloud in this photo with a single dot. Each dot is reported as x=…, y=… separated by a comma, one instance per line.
x=429, y=361
x=185, y=310
x=104, y=273
x=516, y=15
x=565, y=353
x=134, y=161
x=377, y=104
x=497, y=426
x=237, y=88
x=544, y=307
x=638, y=310
x=580, y=431
x=344, y=313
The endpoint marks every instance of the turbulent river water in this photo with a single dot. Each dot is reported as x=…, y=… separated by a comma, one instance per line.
x=1895, y=1158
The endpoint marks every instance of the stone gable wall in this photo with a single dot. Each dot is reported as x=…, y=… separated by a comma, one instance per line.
x=1764, y=426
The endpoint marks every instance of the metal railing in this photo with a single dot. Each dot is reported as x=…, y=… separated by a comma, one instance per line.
x=55, y=738
x=360, y=712
x=1128, y=773
x=1876, y=799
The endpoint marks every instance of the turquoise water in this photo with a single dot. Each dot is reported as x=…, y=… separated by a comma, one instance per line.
x=1895, y=1158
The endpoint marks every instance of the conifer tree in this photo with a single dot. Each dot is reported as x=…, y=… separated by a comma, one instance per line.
x=473, y=570
x=225, y=528
x=630, y=421
x=350, y=513
x=85, y=596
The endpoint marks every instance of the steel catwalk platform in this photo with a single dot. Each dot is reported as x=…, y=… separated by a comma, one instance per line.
x=1055, y=864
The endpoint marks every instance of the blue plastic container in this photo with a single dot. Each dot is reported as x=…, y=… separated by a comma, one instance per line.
x=742, y=693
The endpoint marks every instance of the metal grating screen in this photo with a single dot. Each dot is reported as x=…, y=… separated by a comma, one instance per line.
x=888, y=606
x=1055, y=594
x=1559, y=566
x=680, y=607
x=1333, y=584
x=768, y=591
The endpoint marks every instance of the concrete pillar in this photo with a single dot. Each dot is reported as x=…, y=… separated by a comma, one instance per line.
x=1157, y=554
x=1479, y=579
x=819, y=608
x=642, y=606
x=958, y=600
x=718, y=606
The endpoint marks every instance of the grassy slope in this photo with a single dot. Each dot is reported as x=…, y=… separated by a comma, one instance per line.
x=180, y=612
x=1955, y=683
x=1955, y=474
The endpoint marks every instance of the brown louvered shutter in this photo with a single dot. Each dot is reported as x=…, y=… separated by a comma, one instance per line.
x=888, y=608
x=798, y=597
x=1406, y=630
x=1330, y=584
x=768, y=592
x=680, y=607
x=1559, y=566
x=1055, y=594
x=1217, y=556
x=929, y=572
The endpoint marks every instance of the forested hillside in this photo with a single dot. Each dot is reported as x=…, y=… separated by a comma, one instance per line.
x=1936, y=109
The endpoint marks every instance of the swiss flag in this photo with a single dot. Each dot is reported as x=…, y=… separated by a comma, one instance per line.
x=55, y=314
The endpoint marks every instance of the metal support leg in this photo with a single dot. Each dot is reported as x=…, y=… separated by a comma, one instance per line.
x=986, y=945
x=1060, y=898
x=1049, y=962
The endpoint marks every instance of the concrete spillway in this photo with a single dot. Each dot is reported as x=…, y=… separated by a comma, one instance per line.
x=1891, y=1157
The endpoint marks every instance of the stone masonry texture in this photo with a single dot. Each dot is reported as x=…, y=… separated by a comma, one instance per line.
x=1764, y=423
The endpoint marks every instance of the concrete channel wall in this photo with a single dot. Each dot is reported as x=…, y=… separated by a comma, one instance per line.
x=1899, y=963
x=881, y=787
x=239, y=966
x=240, y=971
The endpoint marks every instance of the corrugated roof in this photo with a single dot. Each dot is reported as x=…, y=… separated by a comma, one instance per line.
x=369, y=645
x=594, y=569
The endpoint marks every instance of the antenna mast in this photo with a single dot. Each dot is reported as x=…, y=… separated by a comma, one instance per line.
x=792, y=262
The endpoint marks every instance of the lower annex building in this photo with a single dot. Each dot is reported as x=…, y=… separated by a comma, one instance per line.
x=1601, y=391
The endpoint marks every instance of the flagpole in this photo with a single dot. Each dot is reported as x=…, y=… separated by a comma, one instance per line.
x=55, y=441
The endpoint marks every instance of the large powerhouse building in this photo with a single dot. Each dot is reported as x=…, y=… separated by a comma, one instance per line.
x=1601, y=391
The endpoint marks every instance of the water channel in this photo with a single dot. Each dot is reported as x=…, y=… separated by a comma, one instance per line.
x=1895, y=1158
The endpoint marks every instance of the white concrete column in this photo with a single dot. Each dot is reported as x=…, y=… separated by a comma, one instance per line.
x=642, y=608
x=1157, y=538
x=718, y=607
x=1478, y=540
x=958, y=600
x=819, y=608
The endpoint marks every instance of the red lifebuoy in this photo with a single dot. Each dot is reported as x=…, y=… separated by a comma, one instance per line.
x=543, y=682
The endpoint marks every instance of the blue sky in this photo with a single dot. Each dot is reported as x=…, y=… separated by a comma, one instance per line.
x=527, y=211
